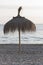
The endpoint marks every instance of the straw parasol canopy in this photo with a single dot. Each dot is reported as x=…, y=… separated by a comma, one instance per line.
x=19, y=23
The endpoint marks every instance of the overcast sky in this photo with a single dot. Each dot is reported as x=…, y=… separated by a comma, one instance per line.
x=32, y=9
x=22, y=2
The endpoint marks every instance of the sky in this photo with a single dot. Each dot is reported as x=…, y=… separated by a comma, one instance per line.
x=31, y=9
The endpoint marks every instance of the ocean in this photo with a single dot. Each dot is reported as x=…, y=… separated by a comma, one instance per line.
x=26, y=38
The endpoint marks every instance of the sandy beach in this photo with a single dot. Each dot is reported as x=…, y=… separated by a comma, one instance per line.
x=31, y=54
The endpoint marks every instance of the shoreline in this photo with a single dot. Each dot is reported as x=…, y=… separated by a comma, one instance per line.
x=25, y=48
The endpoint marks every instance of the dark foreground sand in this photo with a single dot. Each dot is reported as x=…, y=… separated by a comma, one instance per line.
x=31, y=54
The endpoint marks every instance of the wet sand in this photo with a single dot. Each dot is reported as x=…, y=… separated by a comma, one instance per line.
x=31, y=54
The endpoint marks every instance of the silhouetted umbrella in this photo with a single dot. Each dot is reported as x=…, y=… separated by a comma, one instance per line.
x=20, y=23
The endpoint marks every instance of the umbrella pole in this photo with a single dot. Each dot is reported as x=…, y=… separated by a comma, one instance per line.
x=19, y=41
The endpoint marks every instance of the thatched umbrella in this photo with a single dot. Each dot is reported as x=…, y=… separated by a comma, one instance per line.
x=20, y=23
